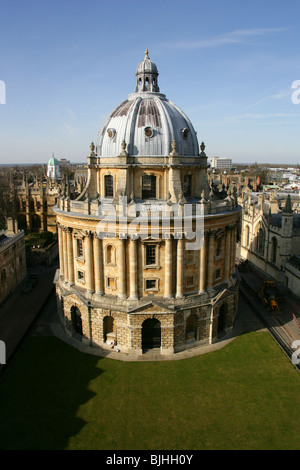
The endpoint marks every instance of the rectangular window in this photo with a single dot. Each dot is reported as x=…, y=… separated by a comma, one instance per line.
x=79, y=248
x=111, y=282
x=218, y=274
x=150, y=254
x=151, y=284
x=149, y=187
x=109, y=185
x=190, y=281
x=80, y=276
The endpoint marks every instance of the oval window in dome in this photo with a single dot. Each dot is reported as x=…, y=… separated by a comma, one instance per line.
x=185, y=132
x=148, y=131
x=111, y=133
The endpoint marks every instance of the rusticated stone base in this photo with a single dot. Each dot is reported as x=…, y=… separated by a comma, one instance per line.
x=99, y=323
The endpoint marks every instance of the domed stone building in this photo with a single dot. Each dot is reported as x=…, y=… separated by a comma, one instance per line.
x=53, y=170
x=147, y=251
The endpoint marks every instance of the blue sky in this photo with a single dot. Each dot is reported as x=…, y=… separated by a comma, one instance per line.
x=229, y=65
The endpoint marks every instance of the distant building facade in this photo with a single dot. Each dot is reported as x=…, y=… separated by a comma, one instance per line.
x=34, y=202
x=12, y=259
x=271, y=238
x=64, y=163
x=221, y=163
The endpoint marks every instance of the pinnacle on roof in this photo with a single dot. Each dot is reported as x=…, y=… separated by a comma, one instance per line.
x=288, y=205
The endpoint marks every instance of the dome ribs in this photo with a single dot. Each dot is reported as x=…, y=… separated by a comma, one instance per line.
x=149, y=109
x=122, y=109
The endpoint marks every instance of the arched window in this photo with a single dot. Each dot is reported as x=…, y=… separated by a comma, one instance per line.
x=219, y=246
x=247, y=236
x=274, y=250
x=110, y=254
x=260, y=241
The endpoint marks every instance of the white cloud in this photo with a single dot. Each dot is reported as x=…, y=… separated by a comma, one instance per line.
x=268, y=115
x=233, y=37
x=279, y=95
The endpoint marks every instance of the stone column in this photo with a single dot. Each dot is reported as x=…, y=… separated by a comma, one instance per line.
x=122, y=269
x=227, y=260
x=70, y=256
x=179, y=283
x=168, y=269
x=234, y=232
x=61, y=252
x=232, y=250
x=133, y=268
x=89, y=262
x=211, y=260
x=98, y=265
x=65, y=254
x=203, y=265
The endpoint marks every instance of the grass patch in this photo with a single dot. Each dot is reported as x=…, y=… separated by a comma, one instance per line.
x=244, y=396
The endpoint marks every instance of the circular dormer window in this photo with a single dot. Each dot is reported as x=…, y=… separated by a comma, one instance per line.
x=185, y=133
x=111, y=133
x=148, y=132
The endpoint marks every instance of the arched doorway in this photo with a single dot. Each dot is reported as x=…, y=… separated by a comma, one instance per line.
x=151, y=334
x=76, y=320
x=222, y=318
x=108, y=328
x=191, y=328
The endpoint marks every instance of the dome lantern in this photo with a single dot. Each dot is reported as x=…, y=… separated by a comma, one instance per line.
x=146, y=75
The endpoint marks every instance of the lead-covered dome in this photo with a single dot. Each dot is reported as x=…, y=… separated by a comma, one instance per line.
x=146, y=66
x=147, y=121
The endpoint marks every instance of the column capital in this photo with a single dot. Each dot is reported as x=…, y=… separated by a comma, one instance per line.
x=88, y=233
x=179, y=236
x=212, y=232
x=168, y=236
